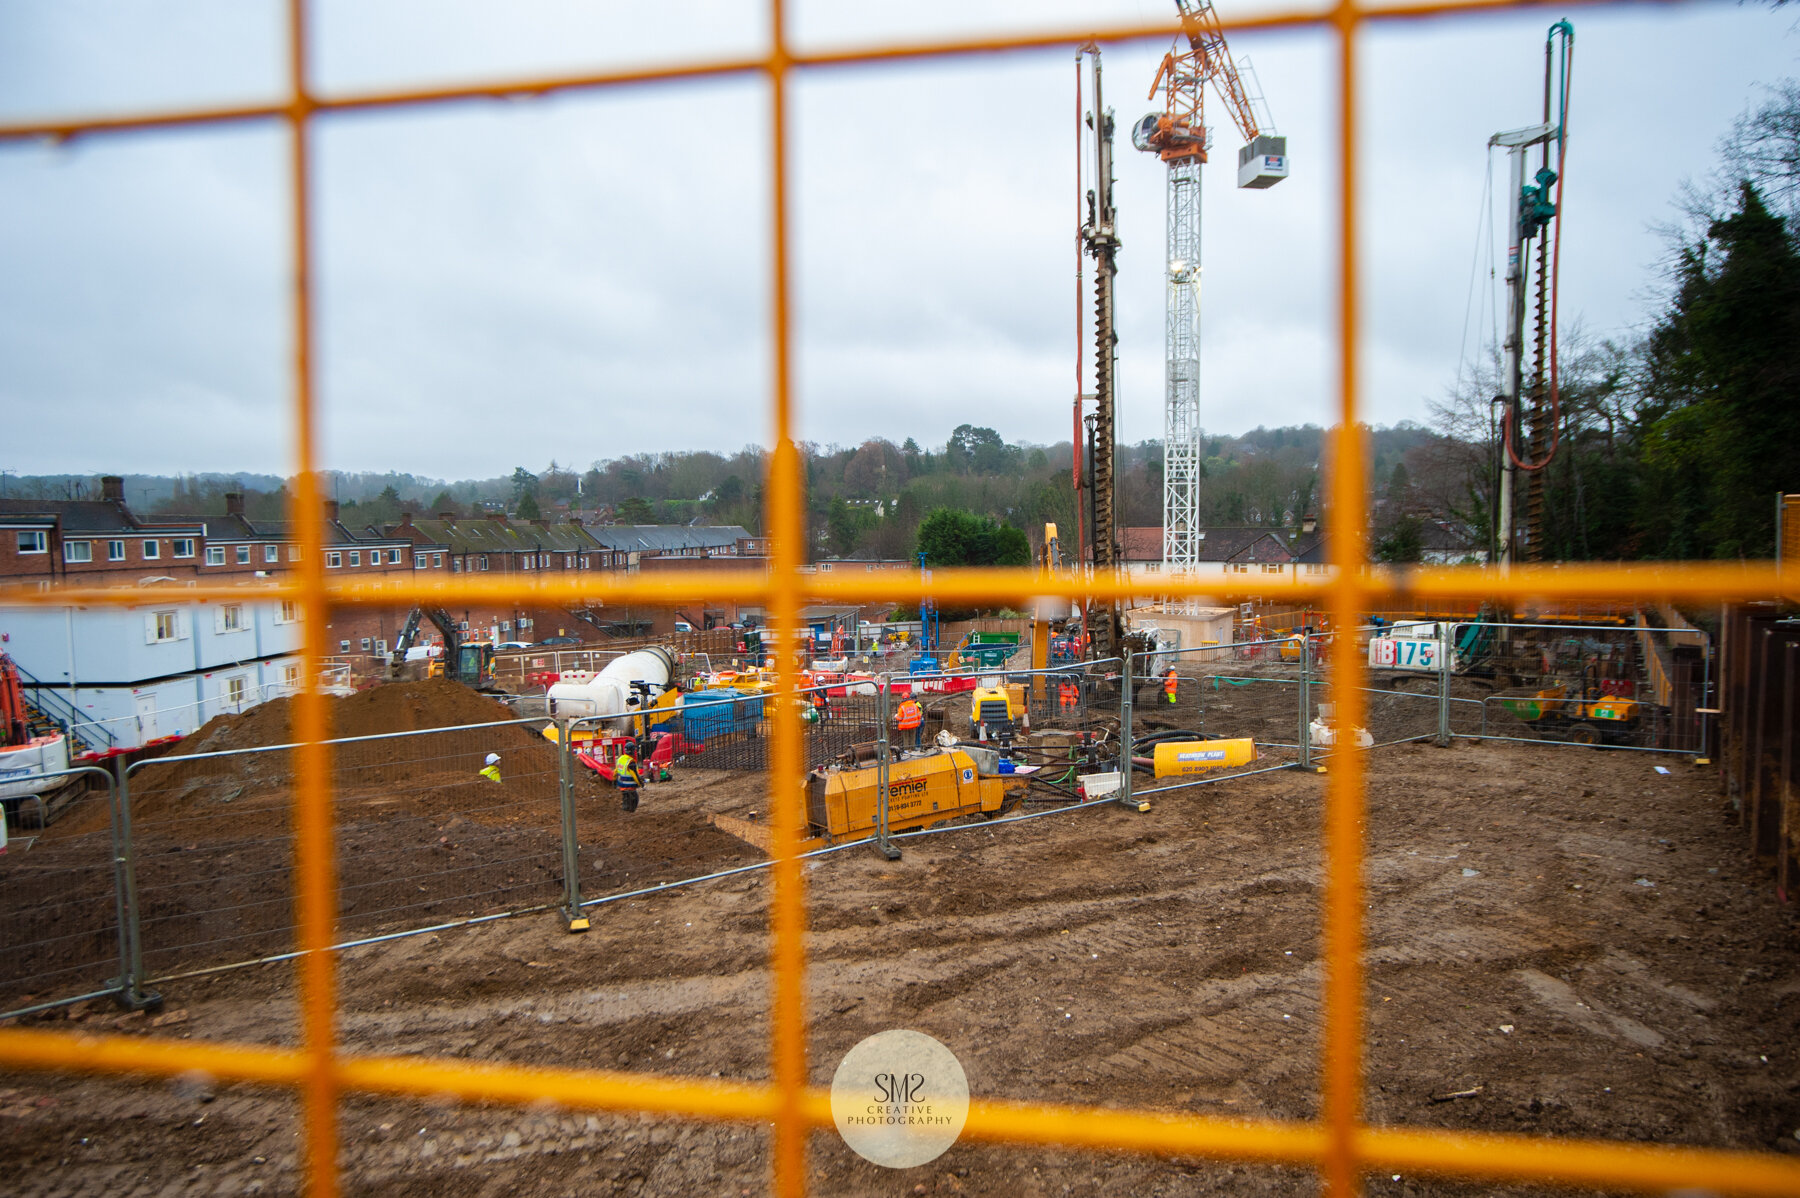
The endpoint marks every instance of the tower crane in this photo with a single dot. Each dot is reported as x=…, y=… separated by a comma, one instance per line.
x=1178, y=135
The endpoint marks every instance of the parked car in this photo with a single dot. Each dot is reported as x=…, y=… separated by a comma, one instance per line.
x=558, y=640
x=512, y=645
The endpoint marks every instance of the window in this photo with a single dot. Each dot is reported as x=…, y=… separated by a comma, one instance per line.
x=484, y=561
x=164, y=626
x=343, y=646
x=375, y=559
x=456, y=565
x=78, y=551
x=1273, y=567
x=1315, y=568
x=215, y=555
x=585, y=559
x=115, y=551
x=152, y=550
x=1152, y=567
x=184, y=547
x=290, y=675
x=234, y=691
x=437, y=561
x=34, y=542
x=527, y=561
x=1237, y=568
x=293, y=553
x=333, y=560
x=420, y=561
x=356, y=557
x=243, y=555
x=290, y=612
x=393, y=557
x=365, y=644
x=271, y=553
x=231, y=617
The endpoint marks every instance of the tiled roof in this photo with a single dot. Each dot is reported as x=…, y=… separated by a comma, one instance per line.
x=669, y=538
x=507, y=536
x=234, y=527
x=76, y=515
x=1223, y=543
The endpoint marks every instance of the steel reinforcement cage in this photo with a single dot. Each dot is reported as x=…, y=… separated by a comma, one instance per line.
x=1339, y=1144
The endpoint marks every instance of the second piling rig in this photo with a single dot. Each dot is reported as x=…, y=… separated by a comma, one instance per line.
x=1534, y=204
x=1100, y=239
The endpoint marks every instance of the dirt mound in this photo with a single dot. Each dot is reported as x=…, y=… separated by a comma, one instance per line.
x=174, y=788
x=397, y=707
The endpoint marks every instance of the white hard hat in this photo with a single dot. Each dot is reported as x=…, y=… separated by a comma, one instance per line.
x=493, y=758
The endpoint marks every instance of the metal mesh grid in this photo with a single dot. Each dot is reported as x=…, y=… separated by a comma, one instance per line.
x=1339, y=1145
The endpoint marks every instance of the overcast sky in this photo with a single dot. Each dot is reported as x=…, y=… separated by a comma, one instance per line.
x=581, y=277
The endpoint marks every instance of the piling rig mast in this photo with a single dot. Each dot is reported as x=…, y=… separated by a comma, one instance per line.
x=1100, y=239
x=1178, y=135
x=1534, y=208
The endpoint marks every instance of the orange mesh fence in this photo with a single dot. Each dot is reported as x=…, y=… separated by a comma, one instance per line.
x=1339, y=1145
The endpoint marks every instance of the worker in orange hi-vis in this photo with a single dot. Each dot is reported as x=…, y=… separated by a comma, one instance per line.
x=910, y=718
x=1068, y=695
x=1169, y=684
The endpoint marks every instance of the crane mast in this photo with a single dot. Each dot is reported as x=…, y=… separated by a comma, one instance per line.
x=1178, y=135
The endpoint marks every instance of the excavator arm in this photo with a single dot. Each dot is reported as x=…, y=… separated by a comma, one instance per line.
x=410, y=633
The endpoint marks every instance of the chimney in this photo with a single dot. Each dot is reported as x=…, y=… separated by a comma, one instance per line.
x=541, y=522
x=1309, y=522
x=575, y=518
x=406, y=519
x=234, y=503
x=446, y=515
x=112, y=489
x=331, y=510
x=499, y=515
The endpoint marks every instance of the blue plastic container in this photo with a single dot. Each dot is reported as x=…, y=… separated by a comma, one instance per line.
x=710, y=713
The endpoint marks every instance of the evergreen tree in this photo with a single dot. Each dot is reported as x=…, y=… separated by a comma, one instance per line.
x=1721, y=428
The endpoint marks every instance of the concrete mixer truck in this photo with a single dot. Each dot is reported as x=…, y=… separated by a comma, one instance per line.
x=637, y=690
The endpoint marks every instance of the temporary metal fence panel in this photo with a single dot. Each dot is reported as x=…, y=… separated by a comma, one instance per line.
x=66, y=896
x=473, y=845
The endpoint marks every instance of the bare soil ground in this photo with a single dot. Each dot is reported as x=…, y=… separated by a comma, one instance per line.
x=1571, y=935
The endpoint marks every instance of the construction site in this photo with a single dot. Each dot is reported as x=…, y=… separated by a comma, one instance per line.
x=1434, y=880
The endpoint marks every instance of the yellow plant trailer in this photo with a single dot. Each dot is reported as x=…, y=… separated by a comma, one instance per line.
x=942, y=785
